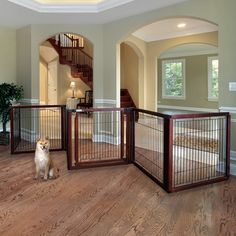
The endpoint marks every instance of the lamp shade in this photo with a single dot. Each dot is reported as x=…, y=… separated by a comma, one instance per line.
x=72, y=84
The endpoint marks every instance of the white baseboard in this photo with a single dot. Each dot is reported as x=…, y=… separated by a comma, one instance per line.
x=106, y=139
x=29, y=101
x=233, y=156
x=231, y=110
x=233, y=169
x=197, y=109
x=103, y=103
x=228, y=109
x=232, y=165
x=29, y=135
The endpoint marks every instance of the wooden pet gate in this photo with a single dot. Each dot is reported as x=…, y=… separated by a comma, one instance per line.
x=99, y=137
x=28, y=123
x=176, y=151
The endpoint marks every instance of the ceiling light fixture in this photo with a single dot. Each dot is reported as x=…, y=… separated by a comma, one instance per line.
x=181, y=25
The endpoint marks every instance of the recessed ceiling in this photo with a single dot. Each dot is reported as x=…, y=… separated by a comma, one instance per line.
x=170, y=28
x=69, y=1
x=62, y=6
x=19, y=13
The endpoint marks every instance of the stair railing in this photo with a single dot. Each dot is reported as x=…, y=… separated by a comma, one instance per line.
x=71, y=48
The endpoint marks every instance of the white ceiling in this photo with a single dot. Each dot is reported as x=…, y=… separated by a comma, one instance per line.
x=19, y=13
x=166, y=29
x=14, y=15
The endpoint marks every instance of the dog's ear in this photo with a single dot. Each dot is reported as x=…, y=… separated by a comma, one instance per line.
x=46, y=138
x=37, y=139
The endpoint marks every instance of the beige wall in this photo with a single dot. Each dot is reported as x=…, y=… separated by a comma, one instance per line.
x=7, y=55
x=88, y=47
x=129, y=71
x=24, y=76
x=196, y=84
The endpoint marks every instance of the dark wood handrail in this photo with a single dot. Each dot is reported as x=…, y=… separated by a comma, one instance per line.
x=68, y=37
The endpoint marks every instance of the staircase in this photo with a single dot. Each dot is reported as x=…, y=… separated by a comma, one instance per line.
x=70, y=50
x=125, y=99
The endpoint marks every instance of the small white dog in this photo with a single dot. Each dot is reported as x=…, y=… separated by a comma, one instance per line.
x=43, y=162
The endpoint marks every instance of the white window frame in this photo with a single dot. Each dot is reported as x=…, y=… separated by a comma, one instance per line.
x=163, y=79
x=209, y=82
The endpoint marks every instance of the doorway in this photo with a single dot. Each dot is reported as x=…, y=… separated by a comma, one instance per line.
x=52, y=83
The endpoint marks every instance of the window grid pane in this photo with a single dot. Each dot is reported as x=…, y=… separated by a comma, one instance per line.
x=213, y=81
x=173, y=78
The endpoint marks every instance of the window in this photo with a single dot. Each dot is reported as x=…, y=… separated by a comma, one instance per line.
x=173, y=79
x=213, y=80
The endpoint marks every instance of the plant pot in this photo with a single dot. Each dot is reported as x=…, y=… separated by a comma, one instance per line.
x=4, y=138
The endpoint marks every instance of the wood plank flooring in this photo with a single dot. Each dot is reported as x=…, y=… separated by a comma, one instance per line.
x=103, y=201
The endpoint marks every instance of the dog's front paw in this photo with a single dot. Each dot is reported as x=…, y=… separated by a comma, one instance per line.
x=45, y=178
x=36, y=177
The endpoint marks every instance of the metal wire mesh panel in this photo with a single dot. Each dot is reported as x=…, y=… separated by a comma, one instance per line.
x=199, y=149
x=31, y=123
x=97, y=137
x=149, y=138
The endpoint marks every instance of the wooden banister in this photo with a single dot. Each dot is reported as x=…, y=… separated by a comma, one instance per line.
x=70, y=53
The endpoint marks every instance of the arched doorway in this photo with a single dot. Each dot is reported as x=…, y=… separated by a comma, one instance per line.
x=188, y=79
x=132, y=72
x=157, y=37
x=65, y=58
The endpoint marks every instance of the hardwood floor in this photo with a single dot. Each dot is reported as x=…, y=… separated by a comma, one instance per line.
x=117, y=200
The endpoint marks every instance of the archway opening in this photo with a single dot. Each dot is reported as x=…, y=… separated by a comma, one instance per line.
x=65, y=58
x=131, y=75
x=156, y=38
x=188, y=79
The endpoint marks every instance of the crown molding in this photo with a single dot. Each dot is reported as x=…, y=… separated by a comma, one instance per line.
x=70, y=7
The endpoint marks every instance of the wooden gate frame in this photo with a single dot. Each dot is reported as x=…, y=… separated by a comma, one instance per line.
x=128, y=112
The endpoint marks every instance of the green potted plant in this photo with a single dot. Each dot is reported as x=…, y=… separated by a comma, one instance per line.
x=9, y=94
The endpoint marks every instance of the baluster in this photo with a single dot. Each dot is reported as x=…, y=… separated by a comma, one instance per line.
x=82, y=42
x=77, y=56
x=59, y=40
x=72, y=50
